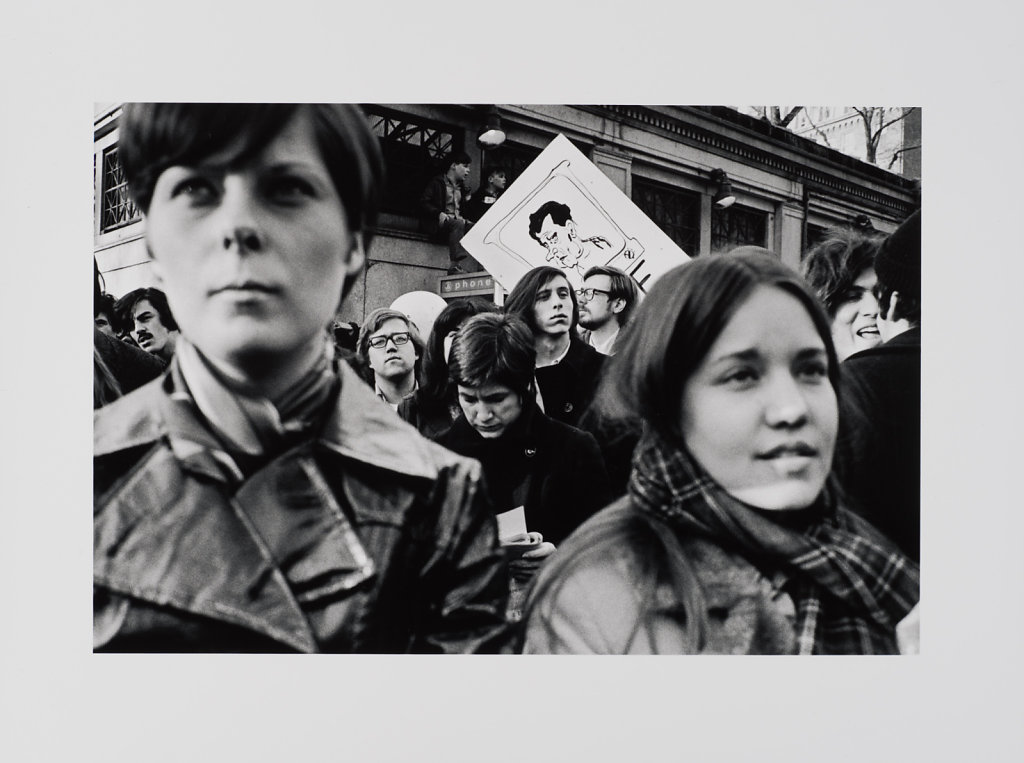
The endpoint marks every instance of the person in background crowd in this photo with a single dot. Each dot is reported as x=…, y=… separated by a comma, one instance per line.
x=607, y=301
x=105, y=315
x=441, y=211
x=879, y=454
x=552, y=470
x=392, y=348
x=118, y=367
x=567, y=369
x=486, y=194
x=149, y=320
x=435, y=406
x=841, y=269
x=258, y=497
x=731, y=539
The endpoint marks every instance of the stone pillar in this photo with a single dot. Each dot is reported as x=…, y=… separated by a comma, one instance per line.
x=616, y=166
x=789, y=217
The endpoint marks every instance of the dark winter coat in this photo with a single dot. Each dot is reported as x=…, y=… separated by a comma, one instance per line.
x=364, y=538
x=568, y=386
x=555, y=471
x=878, y=452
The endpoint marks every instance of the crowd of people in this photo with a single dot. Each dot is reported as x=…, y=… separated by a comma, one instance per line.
x=726, y=465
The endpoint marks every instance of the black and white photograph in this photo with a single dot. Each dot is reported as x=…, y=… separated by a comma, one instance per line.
x=551, y=419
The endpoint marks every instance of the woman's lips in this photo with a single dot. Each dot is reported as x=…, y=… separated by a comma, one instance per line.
x=246, y=287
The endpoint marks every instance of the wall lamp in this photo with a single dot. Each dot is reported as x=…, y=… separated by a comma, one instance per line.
x=723, y=197
x=491, y=135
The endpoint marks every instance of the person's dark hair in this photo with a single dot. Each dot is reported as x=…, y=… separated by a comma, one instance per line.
x=524, y=294
x=492, y=169
x=105, y=387
x=434, y=383
x=673, y=330
x=622, y=287
x=124, y=306
x=378, y=318
x=492, y=348
x=456, y=157
x=106, y=305
x=834, y=264
x=898, y=266
x=675, y=326
x=97, y=289
x=155, y=136
x=559, y=212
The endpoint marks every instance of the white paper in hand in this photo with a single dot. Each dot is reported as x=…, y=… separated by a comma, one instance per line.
x=512, y=525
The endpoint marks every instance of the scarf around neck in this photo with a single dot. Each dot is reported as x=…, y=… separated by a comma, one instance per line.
x=851, y=585
x=250, y=426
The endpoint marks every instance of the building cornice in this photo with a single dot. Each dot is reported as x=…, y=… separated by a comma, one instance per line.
x=731, y=134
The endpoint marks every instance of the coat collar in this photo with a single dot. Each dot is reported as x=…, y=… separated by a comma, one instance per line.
x=359, y=426
x=157, y=539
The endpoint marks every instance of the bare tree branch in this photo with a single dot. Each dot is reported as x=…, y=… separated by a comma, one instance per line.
x=784, y=122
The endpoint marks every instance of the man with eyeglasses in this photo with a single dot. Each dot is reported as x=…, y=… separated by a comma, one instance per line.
x=606, y=301
x=392, y=349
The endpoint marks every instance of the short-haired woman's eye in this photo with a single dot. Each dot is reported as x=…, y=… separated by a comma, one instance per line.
x=196, y=188
x=289, y=188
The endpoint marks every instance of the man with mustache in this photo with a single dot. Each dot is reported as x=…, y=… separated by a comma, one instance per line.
x=148, y=316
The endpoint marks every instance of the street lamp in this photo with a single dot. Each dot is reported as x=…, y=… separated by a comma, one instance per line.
x=491, y=135
x=723, y=198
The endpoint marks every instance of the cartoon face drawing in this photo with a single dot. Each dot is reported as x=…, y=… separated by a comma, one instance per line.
x=553, y=228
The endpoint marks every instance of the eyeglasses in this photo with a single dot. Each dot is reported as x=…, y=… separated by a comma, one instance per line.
x=378, y=342
x=588, y=293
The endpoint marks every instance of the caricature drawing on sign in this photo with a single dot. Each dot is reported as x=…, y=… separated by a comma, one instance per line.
x=565, y=212
x=553, y=228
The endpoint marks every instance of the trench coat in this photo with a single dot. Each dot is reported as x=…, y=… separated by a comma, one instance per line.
x=363, y=538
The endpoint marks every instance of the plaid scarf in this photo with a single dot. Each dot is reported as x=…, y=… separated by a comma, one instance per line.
x=246, y=427
x=850, y=585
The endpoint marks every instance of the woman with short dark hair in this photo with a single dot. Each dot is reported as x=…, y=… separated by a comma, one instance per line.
x=258, y=497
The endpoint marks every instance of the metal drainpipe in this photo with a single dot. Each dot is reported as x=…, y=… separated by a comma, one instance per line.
x=803, y=225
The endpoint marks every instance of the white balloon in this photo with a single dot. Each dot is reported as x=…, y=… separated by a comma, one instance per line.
x=422, y=308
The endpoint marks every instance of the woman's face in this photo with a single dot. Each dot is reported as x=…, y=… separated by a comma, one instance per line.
x=855, y=326
x=490, y=409
x=253, y=258
x=759, y=413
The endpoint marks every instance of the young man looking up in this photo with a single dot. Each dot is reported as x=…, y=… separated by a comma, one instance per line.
x=392, y=349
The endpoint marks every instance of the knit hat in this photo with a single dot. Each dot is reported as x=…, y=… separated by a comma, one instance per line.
x=898, y=262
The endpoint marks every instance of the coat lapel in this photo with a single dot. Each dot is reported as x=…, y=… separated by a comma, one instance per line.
x=177, y=541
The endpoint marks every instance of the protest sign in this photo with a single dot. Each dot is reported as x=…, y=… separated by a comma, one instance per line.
x=564, y=212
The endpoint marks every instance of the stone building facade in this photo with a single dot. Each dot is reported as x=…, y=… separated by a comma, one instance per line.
x=788, y=189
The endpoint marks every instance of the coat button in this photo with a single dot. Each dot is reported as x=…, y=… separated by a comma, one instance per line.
x=568, y=408
x=530, y=452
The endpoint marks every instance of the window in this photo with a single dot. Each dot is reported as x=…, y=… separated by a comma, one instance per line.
x=514, y=157
x=675, y=211
x=117, y=209
x=413, y=149
x=737, y=226
x=815, y=233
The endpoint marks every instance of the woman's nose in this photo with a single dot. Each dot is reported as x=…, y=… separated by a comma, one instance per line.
x=240, y=218
x=785, y=405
